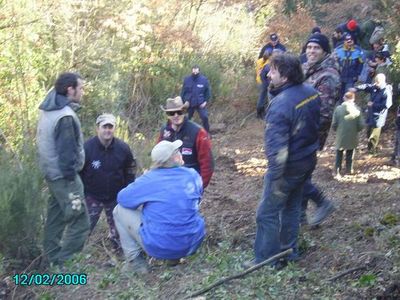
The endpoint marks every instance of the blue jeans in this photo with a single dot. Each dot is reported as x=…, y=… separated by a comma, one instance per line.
x=311, y=192
x=278, y=215
x=203, y=113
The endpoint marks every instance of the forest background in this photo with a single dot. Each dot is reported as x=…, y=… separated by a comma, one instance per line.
x=133, y=55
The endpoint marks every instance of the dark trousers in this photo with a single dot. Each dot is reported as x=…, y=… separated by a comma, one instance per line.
x=203, y=113
x=95, y=208
x=278, y=214
x=396, y=152
x=349, y=160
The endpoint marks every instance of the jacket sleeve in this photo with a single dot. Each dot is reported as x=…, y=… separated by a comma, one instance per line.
x=204, y=156
x=335, y=120
x=185, y=91
x=207, y=91
x=277, y=135
x=328, y=90
x=67, y=146
x=130, y=167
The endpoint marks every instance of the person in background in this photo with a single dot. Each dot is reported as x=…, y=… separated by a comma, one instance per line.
x=395, y=159
x=264, y=83
x=381, y=100
x=347, y=122
x=351, y=27
x=351, y=60
x=61, y=157
x=273, y=44
x=197, y=92
x=109, y=167
x=159, y=214
x=337, y=37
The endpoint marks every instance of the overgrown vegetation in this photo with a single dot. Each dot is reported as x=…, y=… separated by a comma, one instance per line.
x=133, y=54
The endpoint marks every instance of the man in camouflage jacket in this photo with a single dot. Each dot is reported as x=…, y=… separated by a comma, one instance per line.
x=321, y=71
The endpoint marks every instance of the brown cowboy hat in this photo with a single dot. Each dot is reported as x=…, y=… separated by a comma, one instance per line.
x=174, y=104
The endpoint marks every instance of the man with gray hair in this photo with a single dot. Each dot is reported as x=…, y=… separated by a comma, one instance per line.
x=159, y=214
x=109, y=167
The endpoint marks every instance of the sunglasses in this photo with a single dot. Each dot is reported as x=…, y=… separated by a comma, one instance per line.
x=172, y=113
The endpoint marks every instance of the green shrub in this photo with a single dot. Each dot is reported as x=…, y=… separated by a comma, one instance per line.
x=21, y=207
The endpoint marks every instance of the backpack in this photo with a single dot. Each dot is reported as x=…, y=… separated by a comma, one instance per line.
x=377, y=35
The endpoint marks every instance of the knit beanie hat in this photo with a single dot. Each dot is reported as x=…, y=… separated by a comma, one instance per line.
x=352, y=25
x=321, y=40
x=316, y=29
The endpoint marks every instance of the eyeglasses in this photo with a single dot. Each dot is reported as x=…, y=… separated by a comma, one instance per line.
x=172, y=113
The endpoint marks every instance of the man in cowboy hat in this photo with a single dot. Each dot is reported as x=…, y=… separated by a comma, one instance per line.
x=196, y=148
x=197, y=92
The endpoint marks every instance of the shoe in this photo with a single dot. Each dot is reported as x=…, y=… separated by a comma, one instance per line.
x=322, y=213
x=137, y=265
x=172, y=262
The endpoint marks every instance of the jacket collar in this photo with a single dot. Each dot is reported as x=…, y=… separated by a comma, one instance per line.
x=275, y=92
x=101, y=146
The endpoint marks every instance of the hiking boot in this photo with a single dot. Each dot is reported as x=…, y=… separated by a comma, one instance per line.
x=172, y=262
x=276, y=265
x=137, y=265
x=322, y=212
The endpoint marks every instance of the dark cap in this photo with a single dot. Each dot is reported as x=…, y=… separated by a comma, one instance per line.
x=274, y=37
x=348, y=37
x=321, y=40
x=316, y=29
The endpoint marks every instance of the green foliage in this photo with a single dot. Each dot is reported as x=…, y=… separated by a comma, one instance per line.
x=21, y=208
x=367, y=280
x=390, y=219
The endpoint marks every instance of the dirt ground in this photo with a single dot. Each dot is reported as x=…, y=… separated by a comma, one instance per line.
x=362, y=233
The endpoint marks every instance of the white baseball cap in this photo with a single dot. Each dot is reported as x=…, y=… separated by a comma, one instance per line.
x=164, y=150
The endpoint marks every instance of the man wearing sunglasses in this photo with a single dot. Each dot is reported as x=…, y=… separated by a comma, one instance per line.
x=196, y=149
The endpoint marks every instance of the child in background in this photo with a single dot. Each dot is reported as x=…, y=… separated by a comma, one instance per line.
x=347, y=122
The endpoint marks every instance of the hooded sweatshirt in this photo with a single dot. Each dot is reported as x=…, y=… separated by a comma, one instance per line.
x=59, y=138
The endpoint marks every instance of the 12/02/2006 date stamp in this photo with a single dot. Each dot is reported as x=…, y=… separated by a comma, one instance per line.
x=24, y=279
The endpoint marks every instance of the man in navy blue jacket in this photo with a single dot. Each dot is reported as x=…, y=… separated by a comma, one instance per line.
x=291, y=142
x=196, y=90
x=109, y=167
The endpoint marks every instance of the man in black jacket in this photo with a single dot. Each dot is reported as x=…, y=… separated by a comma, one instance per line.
x=109, y=167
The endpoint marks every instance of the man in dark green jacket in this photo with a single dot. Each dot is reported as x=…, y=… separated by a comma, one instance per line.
x=61, y=157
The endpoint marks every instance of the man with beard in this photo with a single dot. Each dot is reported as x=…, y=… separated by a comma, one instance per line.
x=291, y=142
x=321, y=72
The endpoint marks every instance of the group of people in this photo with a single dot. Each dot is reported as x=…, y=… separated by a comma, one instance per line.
x=307, y=96
x=156, y=213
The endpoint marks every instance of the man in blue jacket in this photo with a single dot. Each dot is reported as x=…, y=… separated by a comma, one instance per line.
x=196, y=90
x=291, y=142
x=351, y=60
x=159, y=213
x=109, y=167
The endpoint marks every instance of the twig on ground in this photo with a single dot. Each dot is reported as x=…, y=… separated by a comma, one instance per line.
x=245, y=118
x=344, y=273
x=242, y=274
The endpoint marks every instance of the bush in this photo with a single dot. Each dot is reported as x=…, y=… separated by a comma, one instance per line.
x=21, y=209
